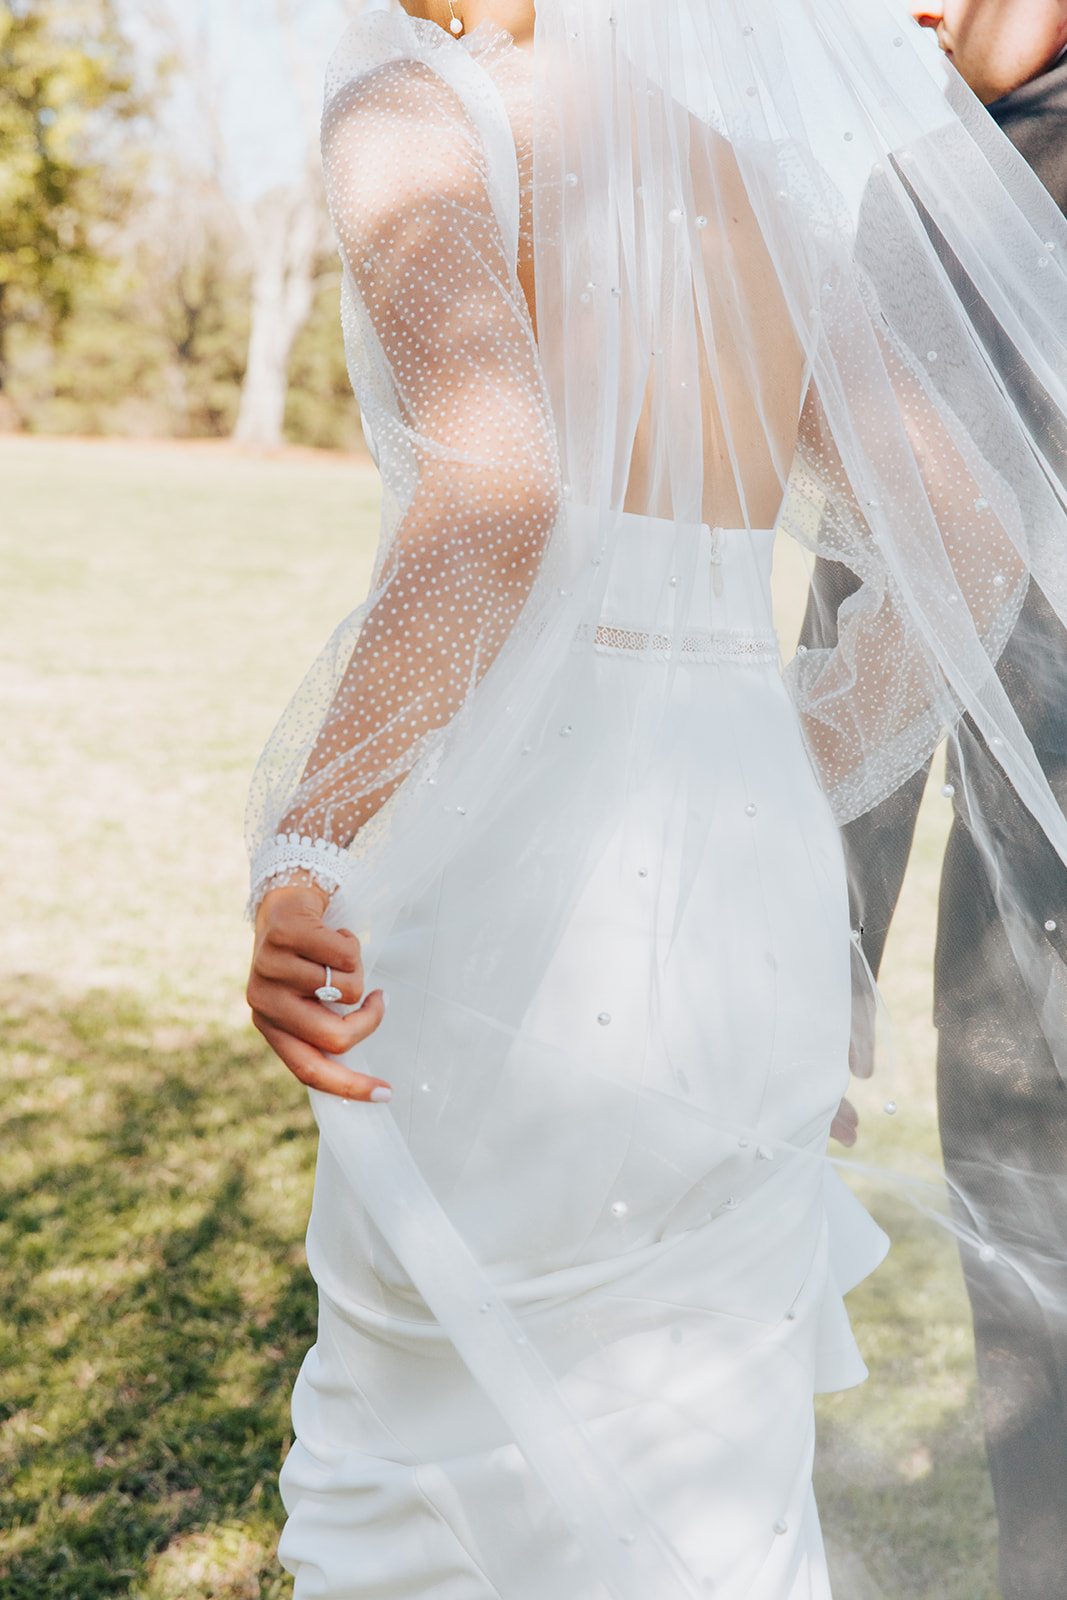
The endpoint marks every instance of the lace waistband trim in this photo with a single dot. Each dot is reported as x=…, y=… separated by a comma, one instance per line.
x=624, y=639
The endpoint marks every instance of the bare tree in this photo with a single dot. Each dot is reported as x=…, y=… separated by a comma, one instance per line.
x=185, y=257
x=288, y=232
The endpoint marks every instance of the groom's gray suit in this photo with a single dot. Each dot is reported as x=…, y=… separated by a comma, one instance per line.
x=1002, y=1101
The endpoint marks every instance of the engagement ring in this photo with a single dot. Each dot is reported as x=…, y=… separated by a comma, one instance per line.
x=329, y=990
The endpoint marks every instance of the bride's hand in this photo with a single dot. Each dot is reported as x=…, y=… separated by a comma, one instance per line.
x=292, y=949
x=846, y=1123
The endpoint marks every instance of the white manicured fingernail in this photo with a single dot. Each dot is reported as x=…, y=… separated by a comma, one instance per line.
x=381, y=1094
x=385, y=999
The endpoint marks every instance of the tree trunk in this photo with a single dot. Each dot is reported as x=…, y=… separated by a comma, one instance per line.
x=285, y=235
x=10, y=422
x=3, y=336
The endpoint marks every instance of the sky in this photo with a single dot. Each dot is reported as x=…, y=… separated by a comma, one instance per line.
x=239, y=66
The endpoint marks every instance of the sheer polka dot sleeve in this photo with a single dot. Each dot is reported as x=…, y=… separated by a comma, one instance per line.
x=444, y=362
x=879, y=701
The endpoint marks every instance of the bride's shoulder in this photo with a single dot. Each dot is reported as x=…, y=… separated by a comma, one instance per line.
x=382, y=86
x=378, y=56
x=396, y=137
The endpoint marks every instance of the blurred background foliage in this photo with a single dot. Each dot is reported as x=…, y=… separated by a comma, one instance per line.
x=129, y=257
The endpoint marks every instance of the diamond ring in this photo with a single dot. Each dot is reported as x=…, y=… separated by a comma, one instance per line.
x=329, y=990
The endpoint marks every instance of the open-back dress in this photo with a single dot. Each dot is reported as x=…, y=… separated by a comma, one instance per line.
x=580, y=1280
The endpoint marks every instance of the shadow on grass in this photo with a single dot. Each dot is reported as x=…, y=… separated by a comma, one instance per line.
x=925, y=1529
x=901, y=1475
x=156, y=1306
x=153, y=1199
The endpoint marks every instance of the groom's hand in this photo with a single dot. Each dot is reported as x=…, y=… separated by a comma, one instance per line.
x=846, y=1123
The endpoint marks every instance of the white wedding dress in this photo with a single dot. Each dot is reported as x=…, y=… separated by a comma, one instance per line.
x=690, y=1305
x=580, y=1280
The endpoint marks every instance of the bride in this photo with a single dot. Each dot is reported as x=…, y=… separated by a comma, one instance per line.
x=579, y=1252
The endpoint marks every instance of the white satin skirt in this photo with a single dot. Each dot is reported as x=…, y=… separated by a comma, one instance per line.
x=616, y=1052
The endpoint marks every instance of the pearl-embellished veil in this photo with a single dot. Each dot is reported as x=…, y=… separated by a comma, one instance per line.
x=786, y=275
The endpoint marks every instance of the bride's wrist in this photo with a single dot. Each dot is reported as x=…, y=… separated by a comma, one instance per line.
x=299, y=879
x=294, y=859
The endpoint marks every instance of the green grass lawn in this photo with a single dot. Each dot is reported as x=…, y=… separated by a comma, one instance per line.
x=161, y=603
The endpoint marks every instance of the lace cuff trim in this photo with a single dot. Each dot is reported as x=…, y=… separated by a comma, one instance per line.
x=279, y=859
x=618, y=639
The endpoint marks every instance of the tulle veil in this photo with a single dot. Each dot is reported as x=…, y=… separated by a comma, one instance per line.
x=772, y=247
